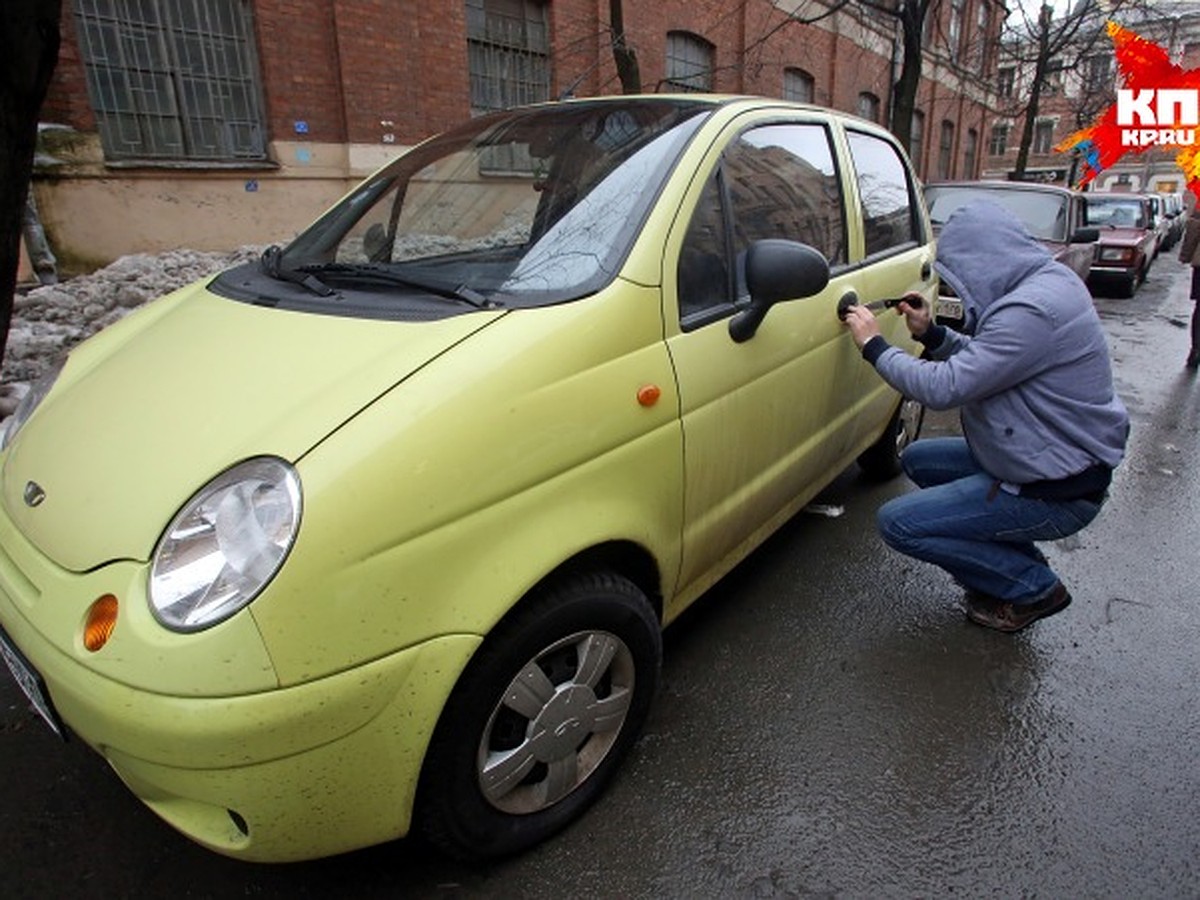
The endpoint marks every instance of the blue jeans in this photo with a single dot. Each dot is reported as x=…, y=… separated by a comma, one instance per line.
x=982, y=535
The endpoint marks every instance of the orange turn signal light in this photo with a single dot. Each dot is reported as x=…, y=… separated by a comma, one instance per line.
x=648, y=394
x=100, y=622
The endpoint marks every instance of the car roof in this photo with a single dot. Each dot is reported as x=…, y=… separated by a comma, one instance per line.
x=1029, y=186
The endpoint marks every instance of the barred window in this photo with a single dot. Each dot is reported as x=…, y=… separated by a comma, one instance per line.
x=175, y=80
x=508, y=54
x=689, y=63
x=798, y=85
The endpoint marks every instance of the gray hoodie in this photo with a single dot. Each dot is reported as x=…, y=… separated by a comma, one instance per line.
x=1031, y=370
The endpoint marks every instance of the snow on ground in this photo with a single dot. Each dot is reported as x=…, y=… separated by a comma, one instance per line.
x=50, y=320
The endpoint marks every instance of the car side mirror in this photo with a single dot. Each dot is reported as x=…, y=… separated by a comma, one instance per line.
x=777, y=270
x=1085, y=236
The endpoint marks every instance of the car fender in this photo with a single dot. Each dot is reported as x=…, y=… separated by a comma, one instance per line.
x=470, y=482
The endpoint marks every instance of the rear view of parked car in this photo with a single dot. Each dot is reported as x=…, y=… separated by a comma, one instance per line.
x=383, y=529
x=1055, y=216
x=1128, y=241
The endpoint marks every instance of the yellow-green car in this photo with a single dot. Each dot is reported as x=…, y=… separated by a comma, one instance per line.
x=380, y=531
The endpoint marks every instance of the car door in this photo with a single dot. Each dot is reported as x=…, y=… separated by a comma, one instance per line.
x=897, y=258
x=767, y=420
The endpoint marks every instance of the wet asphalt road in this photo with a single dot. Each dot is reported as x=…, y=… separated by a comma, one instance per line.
x=829, y=724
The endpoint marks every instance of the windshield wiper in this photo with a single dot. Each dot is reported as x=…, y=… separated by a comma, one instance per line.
x=270, y=265
x=383, y=275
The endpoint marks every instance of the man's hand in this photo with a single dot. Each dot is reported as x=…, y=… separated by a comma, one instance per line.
x=862, y=324
x=917, y=315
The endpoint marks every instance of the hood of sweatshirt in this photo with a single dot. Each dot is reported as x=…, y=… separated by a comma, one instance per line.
x=979, y=279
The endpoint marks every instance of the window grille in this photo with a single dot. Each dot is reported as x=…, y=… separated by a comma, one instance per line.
x=689, y=63
x=173, y=80
x=508, y=54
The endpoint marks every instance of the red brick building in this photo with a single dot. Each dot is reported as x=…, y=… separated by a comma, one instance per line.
x=215, y=123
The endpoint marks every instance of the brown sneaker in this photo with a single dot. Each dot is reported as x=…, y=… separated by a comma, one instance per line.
x=1009, y=617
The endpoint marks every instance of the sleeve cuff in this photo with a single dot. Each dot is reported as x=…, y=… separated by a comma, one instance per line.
x=933, y=337
x=874, y=348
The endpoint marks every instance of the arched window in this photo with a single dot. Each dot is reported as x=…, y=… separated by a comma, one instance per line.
x=689, y=62
x=946, y=150
x=798, y=85
x=868, y=106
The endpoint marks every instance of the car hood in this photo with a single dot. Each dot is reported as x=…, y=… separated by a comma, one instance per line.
x=147, y=412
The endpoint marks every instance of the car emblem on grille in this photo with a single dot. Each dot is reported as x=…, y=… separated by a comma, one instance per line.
x=34, y=494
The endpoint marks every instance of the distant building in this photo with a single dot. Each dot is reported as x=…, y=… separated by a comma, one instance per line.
x=217, y=123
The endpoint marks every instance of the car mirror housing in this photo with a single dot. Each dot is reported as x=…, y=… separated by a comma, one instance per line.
x=1085, y=236
x=777, y=270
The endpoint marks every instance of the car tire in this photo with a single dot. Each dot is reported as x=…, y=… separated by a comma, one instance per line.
x=1128, y=286
x=881, y=460
x=541, y=718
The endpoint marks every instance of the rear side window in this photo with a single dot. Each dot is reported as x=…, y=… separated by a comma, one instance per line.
x=889, y=204
x=775, y=181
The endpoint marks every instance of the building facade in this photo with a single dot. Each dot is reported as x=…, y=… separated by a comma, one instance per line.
x=212, y=124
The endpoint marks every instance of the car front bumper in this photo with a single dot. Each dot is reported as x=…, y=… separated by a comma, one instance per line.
x=272, y=774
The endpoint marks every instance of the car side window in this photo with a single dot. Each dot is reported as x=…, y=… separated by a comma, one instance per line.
x=775, y=181
x=704, y=261
x=889, y=206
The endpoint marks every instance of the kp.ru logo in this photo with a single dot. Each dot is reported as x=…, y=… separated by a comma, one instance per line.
x=1149, y=117
x=1156, y=107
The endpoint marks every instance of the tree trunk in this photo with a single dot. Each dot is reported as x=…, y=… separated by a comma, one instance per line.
x=1041, y=65
x=623, y=55
x=29, y=37
x=912, y=20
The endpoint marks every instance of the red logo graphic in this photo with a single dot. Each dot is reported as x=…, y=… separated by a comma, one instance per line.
x=1157, y=107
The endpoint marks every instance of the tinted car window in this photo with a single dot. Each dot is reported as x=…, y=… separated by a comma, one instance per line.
x=889, y=203
x=704, y=263
x=777, y=181
x=783, y=184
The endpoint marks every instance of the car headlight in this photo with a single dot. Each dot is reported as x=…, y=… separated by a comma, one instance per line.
x=1115, y=254
x=225, y=545
x=34, y=396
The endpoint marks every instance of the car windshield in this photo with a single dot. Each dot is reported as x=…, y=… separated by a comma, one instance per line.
x=1043, y=213
x=1117, y=212
x=522, y=208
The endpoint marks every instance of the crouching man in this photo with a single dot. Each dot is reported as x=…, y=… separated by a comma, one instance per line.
x=1042, y=425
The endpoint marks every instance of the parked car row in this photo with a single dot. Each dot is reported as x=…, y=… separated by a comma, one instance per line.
x=1109, y=239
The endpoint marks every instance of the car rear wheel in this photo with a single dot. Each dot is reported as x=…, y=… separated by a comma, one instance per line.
x=881, y=460
x=541, y=718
